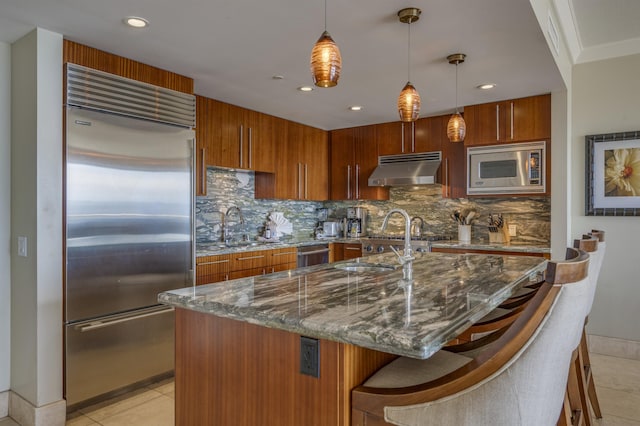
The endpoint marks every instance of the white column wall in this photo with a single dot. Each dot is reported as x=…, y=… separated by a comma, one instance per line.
x=606, y=99
x=5, y=215
x=561, y=154
x=36, y=213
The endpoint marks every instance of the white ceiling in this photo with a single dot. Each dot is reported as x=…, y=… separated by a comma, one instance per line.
x=233, y=48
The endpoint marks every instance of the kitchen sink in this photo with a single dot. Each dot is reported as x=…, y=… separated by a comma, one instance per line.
x=365, y=267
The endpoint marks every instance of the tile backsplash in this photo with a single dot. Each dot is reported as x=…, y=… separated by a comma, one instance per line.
x=226, y=188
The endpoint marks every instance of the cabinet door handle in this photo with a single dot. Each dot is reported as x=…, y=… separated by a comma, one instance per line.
x=353, y=248
x=215, y=262
x=348, y=182
x=446, y=177
x=357, y=181
x=284, y=253
x=306, y=178
x=250, y=147
x=203, y=167
x=498, y=122
x=250, y=257
x=241, y=142
x=299, y=180
x=413, y=136
x=511, y=120
x=402, y=133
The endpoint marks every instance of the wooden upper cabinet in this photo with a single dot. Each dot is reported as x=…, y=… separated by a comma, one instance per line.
x=398, y=138
x=302, y=159
x=517, y=120
x=314, y=160
x=100, y=60
x=236, y=137
x=354, y=156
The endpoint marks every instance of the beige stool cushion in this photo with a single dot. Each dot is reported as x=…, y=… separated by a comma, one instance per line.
x=405, y=371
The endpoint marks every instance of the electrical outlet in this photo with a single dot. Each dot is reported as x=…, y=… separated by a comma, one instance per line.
x=309, y=356
x=512, y=230
x=22, y=246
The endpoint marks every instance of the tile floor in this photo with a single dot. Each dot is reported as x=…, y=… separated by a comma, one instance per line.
x=617, y=381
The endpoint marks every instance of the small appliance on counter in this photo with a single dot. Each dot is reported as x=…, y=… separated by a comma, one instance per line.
x=330, y=229
x=326, y=228
x=356, y=222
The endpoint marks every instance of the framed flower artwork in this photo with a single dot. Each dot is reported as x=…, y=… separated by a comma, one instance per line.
x=613, y=174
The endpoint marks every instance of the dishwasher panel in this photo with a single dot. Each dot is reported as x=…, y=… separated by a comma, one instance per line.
x=313, y=255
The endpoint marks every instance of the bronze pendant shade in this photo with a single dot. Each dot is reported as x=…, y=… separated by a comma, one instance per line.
x=326, y=61
x=456, y=128
x=409, y=103
x=409, y=99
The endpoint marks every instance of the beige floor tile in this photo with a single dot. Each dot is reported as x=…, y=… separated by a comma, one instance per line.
x=616, y=373
x=614, y=421
x=618, y=403
x=112, y=407
x=79, y=419
x=164, y=387
x=156, y=412
x=6, y=421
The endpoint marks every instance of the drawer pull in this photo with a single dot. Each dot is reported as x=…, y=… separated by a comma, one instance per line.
x=214, y=262
x=284, y=253
x=250, y=257
x=353, y=248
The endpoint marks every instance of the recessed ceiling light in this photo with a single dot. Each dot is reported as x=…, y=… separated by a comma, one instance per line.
x=486, y=86
x=355, y=108
x=305, y=88
x=135, y=21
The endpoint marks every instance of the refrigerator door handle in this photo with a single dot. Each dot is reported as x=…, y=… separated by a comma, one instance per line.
x=94, y=325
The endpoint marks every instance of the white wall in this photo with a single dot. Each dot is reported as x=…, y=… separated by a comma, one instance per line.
x=5, y=215
x=36, y=213
x=606, y=99
x=561, y=154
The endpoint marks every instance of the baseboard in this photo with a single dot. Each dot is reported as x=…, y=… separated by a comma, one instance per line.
x=613, y=346
x=25, y=414
x=4, y=404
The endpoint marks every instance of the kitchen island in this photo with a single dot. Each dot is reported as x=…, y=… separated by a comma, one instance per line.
x=239, y=343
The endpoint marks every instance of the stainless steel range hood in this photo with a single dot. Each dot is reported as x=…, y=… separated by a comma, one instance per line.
x=406, y=169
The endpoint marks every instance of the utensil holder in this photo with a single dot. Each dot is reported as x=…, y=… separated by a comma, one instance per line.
x=464, y=233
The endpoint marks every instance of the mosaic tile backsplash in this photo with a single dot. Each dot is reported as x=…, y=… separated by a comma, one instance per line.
x=227, y=188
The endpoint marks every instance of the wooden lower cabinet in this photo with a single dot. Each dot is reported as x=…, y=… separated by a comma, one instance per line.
x=211, y=269
x=231, y=372
x=344, y=251
x=501, y=252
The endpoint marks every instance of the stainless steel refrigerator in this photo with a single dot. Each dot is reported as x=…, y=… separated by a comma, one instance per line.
x=129, y=236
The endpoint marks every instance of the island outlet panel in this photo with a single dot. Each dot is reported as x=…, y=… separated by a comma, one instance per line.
x=309, y=356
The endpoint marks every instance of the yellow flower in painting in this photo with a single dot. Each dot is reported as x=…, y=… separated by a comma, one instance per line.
x=622, y=172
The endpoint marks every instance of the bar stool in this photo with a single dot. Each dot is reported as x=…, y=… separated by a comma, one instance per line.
x=517, y=380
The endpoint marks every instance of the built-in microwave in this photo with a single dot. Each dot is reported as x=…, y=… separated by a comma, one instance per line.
x=517, y=168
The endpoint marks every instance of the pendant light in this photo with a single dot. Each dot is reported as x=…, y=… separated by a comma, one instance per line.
x=409, y=99
x=456, y=128
x=326, y=61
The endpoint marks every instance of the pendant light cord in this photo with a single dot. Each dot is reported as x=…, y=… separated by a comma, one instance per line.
x=456, y=87
x=325, y=15
x=409, y=54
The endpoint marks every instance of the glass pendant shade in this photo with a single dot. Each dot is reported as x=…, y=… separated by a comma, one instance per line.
x=326, y=62
x=456, y=128
x=409, y=103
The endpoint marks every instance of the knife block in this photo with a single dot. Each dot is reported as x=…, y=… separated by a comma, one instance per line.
x=502, y=236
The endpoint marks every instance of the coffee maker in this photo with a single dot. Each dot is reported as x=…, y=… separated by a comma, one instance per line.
x=356, y=222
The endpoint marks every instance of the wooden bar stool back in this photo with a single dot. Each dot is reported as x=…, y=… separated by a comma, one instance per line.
x=520, y=379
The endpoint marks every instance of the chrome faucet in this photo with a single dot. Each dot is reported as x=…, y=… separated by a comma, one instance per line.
x=406, y=258
x=226, y=233
x=416, y=231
